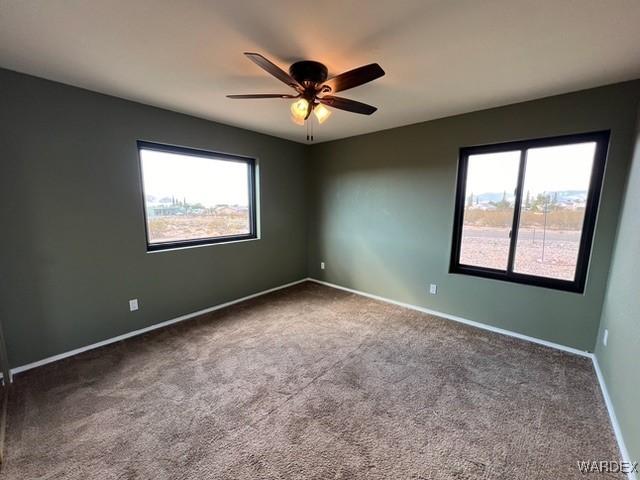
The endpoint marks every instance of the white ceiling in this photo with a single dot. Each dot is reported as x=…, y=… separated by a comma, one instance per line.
x=442, y=57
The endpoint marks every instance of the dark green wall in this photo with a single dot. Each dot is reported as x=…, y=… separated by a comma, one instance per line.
x=381, y=212
x=73, y=241
x=378, y=208
x=621, y=316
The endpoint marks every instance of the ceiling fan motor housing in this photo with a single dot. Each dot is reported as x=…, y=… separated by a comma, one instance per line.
x=308, y=71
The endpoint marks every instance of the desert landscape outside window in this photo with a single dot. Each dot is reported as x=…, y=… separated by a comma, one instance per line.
x=488, y=214
x=526, y=210
x=195, y=197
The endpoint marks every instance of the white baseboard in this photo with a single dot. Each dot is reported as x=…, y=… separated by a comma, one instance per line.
x=156, y=326
x=612, y=416
x=607, y=399
x=455, y=318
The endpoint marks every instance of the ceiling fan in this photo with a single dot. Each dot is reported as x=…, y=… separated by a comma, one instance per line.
x=313, y=90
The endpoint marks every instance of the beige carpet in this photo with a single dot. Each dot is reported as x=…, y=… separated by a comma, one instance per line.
x=310, y=383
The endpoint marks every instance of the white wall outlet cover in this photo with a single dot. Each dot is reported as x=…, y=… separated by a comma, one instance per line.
x=133, y=305
x=433, y=289
x=321, y=265
x=605, y=337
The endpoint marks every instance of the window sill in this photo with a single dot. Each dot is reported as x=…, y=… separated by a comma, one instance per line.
x=201, y=245
x=520, y=279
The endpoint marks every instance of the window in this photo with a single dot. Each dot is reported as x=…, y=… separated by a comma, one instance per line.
x=194, y=197
x=525, y=211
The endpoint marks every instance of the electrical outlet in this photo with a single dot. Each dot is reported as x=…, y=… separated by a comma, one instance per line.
x=605, y=337
x=133, y=305
x=433, y=289
x=321, y=265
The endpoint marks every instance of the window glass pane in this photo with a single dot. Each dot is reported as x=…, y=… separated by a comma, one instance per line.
x=191, y=198
x=489, y=207
x=554, y=196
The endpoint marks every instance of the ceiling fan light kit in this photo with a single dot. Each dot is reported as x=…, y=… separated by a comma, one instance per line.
x=321, y=112
x=313, y=90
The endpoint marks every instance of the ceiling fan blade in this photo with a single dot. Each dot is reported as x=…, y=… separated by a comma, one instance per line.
x=348, y=105
x=263, y=95
x=355, y=77
x=273, y=69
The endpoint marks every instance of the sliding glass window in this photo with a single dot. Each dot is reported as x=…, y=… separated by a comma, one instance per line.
x=526, y=211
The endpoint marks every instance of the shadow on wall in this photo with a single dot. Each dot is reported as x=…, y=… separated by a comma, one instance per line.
x=351, y=273
x=371, y=224
x=22, y=291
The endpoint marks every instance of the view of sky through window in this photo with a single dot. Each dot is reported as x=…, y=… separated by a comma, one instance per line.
x=201, y=180
x=554, y=196
x=491, y=182
x=191, y=197
x=556, y=184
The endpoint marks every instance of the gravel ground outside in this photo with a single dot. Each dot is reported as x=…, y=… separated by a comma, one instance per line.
x=552, y=254
x=189, y=227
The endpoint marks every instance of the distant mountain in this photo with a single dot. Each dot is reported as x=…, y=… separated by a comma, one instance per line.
x=571, y=195
x=491, y=197
x=563, y=196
